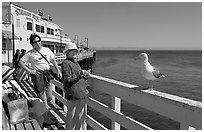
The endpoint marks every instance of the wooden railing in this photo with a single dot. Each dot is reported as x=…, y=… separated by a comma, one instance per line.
x=59, y=57
x=185, y=111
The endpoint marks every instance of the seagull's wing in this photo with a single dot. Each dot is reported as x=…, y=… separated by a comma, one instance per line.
x=156, y=73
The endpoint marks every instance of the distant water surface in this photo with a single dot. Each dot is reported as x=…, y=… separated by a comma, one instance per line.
x=183, y=71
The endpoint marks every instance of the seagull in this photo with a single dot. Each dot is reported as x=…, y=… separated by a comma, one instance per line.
x=148, y=71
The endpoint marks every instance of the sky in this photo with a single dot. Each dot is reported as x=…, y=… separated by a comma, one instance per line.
x=128, y=25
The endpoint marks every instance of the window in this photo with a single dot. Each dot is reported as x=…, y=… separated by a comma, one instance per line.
x=29, y=26
x=3, y=51
x=18, y=23
x=50, y=31
x=52, y=48
x=42, y=29
x=39, y=28
x=3, y=44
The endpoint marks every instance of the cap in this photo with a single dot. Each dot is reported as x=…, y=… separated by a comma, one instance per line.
x=6, y=72
x=70, y=46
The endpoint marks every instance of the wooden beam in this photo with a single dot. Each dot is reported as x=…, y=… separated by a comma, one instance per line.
x=95, y=124
x=116, y=105
x=123, y=120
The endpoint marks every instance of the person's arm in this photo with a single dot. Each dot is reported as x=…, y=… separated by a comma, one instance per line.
x=53, y=61
x=31, y=71
x=68, y=76
x=85, y=74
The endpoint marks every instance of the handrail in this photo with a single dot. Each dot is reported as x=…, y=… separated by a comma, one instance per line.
x=185, y=111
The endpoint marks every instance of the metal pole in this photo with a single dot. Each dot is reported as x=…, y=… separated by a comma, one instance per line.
x=13, y=41
x=61, y=44
x=87, y=43
x=7, y=47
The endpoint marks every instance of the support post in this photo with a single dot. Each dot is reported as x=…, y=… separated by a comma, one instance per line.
x=116, y=105
x=52, y=86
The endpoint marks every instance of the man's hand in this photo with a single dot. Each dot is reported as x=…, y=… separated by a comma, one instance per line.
x=59, y=74
x=35, y=72
x=86, y=74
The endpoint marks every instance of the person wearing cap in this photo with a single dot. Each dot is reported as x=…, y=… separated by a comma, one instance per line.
x=36, y=106
x=40, y=58
x=76, y=110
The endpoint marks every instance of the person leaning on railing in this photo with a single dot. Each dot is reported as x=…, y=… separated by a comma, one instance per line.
x=71, y=74
x=40, y=58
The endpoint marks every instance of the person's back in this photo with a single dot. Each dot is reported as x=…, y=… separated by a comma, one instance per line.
x=16, y=58
x=22, y=53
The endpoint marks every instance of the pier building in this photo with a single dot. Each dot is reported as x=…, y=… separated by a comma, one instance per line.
x=18, y=23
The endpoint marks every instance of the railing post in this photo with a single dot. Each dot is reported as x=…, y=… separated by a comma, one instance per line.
x=52, y=86
x=85, y=113
x=116, y=105
x=65, y=106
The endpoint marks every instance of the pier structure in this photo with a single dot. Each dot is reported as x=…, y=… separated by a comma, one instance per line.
x=187, y=112
x=85, y=59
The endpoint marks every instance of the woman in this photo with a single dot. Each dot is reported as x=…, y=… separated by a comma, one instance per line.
x=71, y=74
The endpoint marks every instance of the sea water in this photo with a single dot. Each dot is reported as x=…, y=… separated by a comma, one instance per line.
x=183, y=71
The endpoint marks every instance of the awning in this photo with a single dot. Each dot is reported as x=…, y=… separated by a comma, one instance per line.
x=8, y=35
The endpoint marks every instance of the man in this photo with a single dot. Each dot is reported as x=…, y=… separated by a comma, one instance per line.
x=40, y=58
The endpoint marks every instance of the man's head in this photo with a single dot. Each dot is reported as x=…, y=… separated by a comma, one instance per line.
x=35, y=41
x=17, y=50
x=23, y=50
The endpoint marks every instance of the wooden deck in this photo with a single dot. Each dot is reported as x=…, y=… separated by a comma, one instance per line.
x=55, y=113
x=32, y=124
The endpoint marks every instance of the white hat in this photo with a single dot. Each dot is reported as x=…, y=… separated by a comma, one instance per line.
x=70, y=46
x=6, y=72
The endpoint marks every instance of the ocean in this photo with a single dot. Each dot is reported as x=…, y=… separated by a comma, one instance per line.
x=183, y=71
